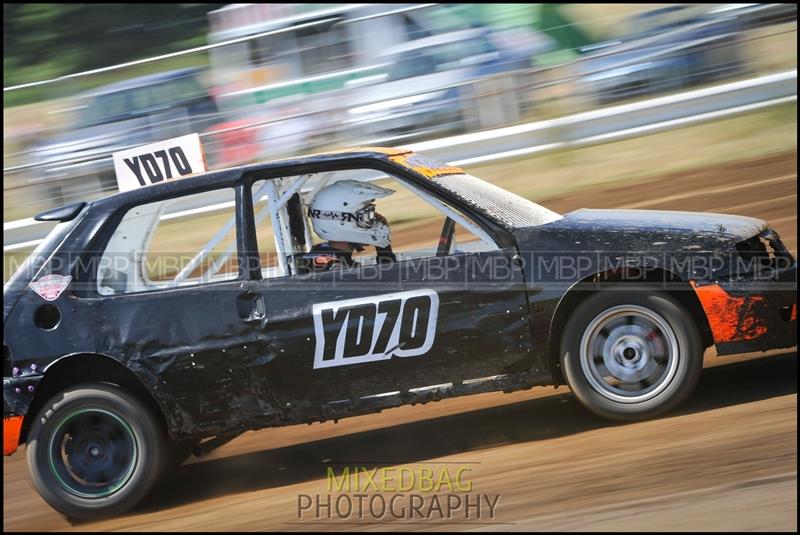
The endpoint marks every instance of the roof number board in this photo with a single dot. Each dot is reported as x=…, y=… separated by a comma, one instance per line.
x=156, y=162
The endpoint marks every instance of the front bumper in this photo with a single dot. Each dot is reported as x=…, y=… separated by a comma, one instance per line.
x=18, y=393
x=745, y=316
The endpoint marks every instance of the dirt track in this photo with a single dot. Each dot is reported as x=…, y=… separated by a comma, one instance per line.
x=727, y=460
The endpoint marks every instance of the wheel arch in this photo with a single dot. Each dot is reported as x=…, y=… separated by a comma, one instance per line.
x=77, y=368
x=584, y=288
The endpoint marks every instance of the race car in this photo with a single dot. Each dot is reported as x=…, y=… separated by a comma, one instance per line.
x=116, y=369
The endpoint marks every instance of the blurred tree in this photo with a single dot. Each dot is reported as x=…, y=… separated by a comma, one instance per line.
x=549, y=19
x=46, y=40
x=555, y=23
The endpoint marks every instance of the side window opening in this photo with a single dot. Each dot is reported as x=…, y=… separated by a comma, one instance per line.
x=417, y=222
x=306, y=226
x=282, y=232
x=168, y=244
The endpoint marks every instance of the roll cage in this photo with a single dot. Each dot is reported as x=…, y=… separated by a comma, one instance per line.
x=288, y=186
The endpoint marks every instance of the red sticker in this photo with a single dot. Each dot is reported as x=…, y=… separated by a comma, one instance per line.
x=50, y=287
x=324, y=260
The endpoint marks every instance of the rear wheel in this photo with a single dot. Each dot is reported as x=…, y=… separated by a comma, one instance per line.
x=95, y=450
x=630, y=354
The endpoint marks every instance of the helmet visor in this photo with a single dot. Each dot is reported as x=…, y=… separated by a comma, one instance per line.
x=365, y=218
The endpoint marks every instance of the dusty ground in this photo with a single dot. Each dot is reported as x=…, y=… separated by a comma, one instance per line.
x=727, y=460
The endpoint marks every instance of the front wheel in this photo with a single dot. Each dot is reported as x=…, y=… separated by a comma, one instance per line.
x=95, y=450
x=630, y=355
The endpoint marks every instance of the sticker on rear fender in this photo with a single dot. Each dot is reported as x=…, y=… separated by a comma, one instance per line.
x=50, y=287
x=369, y=329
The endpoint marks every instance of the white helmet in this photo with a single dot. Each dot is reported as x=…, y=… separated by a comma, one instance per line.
x=344, y=211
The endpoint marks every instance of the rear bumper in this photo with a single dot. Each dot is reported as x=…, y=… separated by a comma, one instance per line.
x=746, y=316
x=12, y=426
x=18, y=394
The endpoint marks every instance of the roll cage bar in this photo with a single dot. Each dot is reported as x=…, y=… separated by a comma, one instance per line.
x=278, y=192
x=283, y=179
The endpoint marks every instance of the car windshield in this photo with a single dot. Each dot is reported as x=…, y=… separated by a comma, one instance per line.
x=437, y=58
x=509, y=209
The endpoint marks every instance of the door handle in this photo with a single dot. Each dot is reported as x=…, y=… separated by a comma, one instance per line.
x=250, y=306
x=258, y=310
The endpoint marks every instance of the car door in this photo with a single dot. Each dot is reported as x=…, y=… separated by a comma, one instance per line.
x=365, y=331
x=173, y=317
x=374, y=329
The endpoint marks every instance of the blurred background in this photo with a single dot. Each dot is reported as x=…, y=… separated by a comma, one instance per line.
x=641, y=106
x=261, y=81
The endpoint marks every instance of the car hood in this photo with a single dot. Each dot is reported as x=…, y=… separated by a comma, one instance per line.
x=691, y=244
x=722, y=225
x=640, y=230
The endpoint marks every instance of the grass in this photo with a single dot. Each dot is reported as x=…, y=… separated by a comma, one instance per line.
x=772, y=48
x=752, y=135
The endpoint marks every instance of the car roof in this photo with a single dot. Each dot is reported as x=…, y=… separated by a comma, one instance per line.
x=150, y=79
x=228, y=177
x=434, y=40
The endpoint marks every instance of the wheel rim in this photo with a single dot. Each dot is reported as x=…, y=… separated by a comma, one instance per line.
x=629, y=354
x=92, y=453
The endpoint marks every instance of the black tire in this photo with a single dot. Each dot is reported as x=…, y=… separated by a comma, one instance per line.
x=95, y=450
x=610, y=377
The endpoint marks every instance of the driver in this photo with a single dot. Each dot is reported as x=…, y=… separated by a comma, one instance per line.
x=344, y=214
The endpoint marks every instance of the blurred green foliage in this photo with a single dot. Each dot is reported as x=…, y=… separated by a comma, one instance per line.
x=42, y=41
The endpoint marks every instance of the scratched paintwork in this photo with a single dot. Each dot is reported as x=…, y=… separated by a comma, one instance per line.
x=732, y=318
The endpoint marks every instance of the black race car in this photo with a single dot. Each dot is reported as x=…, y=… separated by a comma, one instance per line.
x=120, y=362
